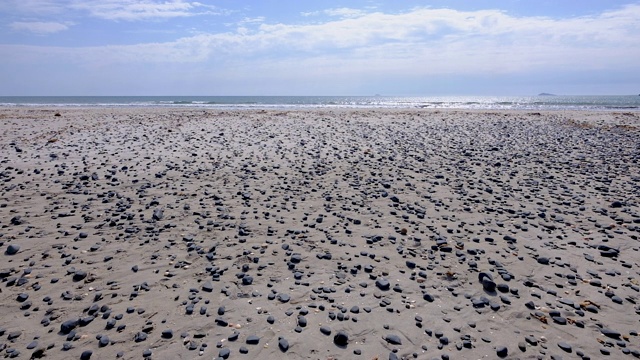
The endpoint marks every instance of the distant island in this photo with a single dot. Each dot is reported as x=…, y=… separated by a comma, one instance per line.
x=546, y=94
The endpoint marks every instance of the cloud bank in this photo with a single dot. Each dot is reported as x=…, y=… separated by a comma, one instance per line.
x=359, y=44
x=38, y=27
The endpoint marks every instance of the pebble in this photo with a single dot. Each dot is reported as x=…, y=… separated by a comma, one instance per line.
x=502, y=351
x=341, y=338
x=12, y=249
x=253, y=340
x=565, y=347
x=393, y=339
x=383, y=284
x=283, y=344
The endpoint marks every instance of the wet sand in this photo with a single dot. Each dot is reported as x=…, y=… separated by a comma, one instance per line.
x=319, y=234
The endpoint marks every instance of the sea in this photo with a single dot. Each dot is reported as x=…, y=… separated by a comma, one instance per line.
x=541, y=102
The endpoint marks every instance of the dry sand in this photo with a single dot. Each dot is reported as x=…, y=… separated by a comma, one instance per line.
x=320, y=234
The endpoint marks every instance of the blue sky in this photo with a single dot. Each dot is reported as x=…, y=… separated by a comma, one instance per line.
x=361, y=47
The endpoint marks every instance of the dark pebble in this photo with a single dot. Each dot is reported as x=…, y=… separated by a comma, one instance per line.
x=564, y=346
x=325, y=330
x=104, y=341
x=283, y=344
x=207, y=286
x=383, y=284
x=393, y=339
x=610, y=333
x=543, y=260
x=253, y=340
x=67, y=326
x=224, y=353
x=502, y=351
x=79, y=275
x=488, y=285
x=12, y=249
x=341, y=338
x=140, y=336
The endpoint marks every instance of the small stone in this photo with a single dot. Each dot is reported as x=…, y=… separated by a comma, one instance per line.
x=104, y=341
x=383, y=284
x=253, y=340
x=610, y=333
x=325, y=330
x=207, y=286
x=522, y=346
x=341, y=338
x=502, y=351
x=564, y=346
x=67, y=326
x=12, y=249
x=79, y=275
x=224, y=353
x=488, y=285
x=393, y=339
x=158, y=214
x=86, y=355
x=531, y=340
x=140, y=336
x=283, y=344
x=543, y=260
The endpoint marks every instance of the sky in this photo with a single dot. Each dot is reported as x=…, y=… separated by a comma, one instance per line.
x=330, y=47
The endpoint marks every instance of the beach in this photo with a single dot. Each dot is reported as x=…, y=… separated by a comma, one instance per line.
x=184, y=233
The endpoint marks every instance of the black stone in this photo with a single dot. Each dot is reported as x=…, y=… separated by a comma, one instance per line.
x=68, y=326
x=104, y=341
x=502, y=351
x=325, y=330
x=488, y=285
x=564, y=346
x=253, y=340
x=79, y=275
x=341, y=338
x=543, y=260
x=393, y=339
x=207, y=286
x=383, y=284
x=283, y=344
x=12, y=249
x=610, y=333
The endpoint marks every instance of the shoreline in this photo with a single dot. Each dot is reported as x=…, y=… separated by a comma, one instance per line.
x=319, y=233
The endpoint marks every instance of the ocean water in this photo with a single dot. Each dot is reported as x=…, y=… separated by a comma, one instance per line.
x=628, y=102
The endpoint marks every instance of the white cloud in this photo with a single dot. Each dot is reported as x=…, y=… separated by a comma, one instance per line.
x=37, y=27
x=419, y=42
x=337, y=12
x=131, y=10
x=38, y=7
x=128, y=10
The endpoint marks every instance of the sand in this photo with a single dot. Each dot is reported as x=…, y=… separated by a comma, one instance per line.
x=319, y=234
